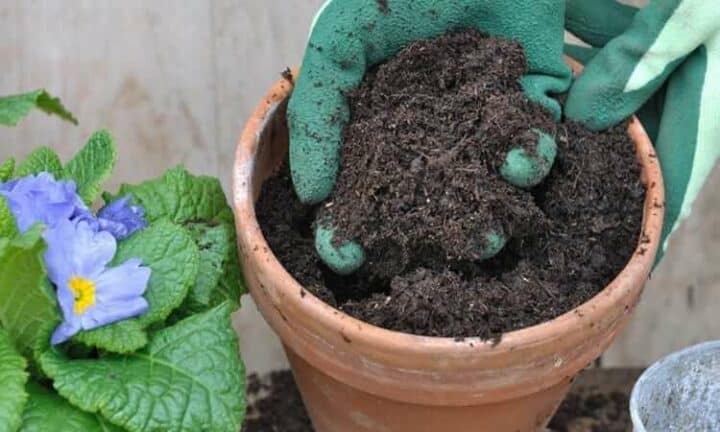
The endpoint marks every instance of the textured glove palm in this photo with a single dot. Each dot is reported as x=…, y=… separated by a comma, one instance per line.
x=349, y=36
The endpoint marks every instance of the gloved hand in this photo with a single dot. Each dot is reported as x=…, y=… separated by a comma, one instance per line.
x=350, y=36
x=664, y=62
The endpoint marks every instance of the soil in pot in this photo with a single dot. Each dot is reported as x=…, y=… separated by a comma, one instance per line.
x=419, y=182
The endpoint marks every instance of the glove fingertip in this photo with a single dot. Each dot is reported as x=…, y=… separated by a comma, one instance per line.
x=535, y=88
x=579, y=108
x=526, y=168
x=344, y=259
x=494, y=243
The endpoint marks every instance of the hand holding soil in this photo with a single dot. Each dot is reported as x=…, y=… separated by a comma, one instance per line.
x=440, y=156
x=351, y=37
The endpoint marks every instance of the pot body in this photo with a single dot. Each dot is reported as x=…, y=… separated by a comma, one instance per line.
x=335, y=407
x=355, y=377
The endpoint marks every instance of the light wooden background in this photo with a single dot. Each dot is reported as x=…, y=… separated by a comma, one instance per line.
x=175, y=80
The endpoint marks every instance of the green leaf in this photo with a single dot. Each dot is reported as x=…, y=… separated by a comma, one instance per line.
x=189, y=378
x=8, y=227
x=46, y=411
x=92, y=165
x=121, y=337
x=12, y=385
x=14, y=108
x=180, y=197
x=199, y=204
x=26, y=303
x=7, y=169
x=41, y=159
x=216, y=245
x=232, y=284
x=171, y=254
x=169, y=251
x=106, y=426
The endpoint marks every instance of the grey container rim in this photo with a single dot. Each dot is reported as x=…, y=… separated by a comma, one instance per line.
x=634, y=409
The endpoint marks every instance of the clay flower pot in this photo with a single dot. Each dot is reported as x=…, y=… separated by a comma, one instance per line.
x=357, y=377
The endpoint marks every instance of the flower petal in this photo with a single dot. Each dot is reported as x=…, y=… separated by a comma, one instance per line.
x=67, y=301
x=92, y=250
x=64, y=331
x=122, y=283
x=75, y=249
x=117, y=229
x=59, y=253
x=41, y=198
x=108, y=313
x=121, y=218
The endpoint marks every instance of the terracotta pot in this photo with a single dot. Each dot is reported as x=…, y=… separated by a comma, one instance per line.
x=356, y=377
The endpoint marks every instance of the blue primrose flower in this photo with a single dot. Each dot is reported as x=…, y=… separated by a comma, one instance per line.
x=90, y=293
x=121, y=219
x=41, y=198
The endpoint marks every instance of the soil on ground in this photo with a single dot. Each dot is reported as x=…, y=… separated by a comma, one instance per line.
x=419, y=186
x=276, y=406
x=592, y=411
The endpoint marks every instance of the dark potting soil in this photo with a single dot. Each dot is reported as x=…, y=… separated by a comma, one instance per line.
x=593, y=411
x=276, y=406
x=419, y=184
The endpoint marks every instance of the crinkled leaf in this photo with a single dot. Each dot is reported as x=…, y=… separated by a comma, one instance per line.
x=7, y=169
x=8, y=227
x=212, y=241
x=26, y=303
x=199, y=204
x=12, y=385
x=170, y=252
x=232, y=283
x=14, y=108
x=92, y=165
x=121, y=337
x=41, y=159
x=180, y=197
x=46, y=411
x=106, y=426
x=189, y=378
x=216, y=244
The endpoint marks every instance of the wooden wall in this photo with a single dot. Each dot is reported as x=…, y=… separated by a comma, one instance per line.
x=175, y=80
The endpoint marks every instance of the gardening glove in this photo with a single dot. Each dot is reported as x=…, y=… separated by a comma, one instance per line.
x=350, y=36
x=664, y=62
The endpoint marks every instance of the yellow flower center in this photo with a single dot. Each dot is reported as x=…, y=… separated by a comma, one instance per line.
x=83, y=291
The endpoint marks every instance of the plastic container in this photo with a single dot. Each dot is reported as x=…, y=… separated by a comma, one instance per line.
x=680, y=392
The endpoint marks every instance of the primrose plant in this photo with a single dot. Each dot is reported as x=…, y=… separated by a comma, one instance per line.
x=116, y=319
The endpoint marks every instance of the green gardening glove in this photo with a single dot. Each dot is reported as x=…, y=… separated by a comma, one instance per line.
x=664, y=63
x=350, y=36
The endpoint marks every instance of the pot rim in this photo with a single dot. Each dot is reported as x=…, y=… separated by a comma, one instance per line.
x=388, y=347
